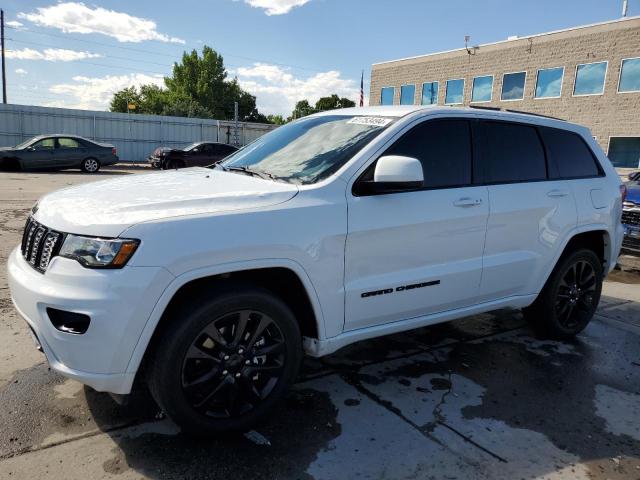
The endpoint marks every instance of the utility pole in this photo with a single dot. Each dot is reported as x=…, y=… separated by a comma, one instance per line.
x=236, y=138
x=4, y=75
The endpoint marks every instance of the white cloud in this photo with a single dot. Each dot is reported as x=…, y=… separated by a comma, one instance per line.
x=21, y=71
x=277, y=90
x=276, y=7
x=76, y=17
x=96, y=92
x=14, y=24
x=50, y=54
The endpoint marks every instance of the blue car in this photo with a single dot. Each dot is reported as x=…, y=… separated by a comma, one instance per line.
x=631, y=216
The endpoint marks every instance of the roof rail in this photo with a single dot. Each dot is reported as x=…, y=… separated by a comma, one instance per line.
x=500, y=109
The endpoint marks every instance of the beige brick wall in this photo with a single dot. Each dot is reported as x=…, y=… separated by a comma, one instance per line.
x=610, y=114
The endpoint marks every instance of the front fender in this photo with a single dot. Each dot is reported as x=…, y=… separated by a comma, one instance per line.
x=199, y=273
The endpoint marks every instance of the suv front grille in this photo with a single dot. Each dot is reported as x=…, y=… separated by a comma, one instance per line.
x=631, y=217
x=40, y=244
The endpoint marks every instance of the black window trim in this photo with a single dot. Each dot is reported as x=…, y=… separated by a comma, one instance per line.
x=474, y=123
x=355, y=189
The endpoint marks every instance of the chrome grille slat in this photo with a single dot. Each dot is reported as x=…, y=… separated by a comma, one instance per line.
x=40, y=244
x=631, y=217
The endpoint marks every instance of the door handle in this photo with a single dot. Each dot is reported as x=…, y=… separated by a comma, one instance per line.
x=467, y=202
x=557, y=193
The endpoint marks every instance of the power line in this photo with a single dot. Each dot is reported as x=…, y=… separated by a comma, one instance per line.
x=139, y=50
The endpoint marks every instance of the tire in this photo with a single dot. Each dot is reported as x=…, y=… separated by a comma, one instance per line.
x=570, y=297
x=207, y=379
x=174, y=164
x=90, y=165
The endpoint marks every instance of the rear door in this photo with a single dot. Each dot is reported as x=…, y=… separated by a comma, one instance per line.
x=531, y=213
x=69, y=152
x=414, y=253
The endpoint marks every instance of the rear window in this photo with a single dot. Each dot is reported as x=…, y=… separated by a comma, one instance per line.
x=510, y=153
x=569, y=155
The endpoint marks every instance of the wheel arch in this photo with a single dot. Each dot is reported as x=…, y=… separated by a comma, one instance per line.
x=593, y=237
x=285, y=278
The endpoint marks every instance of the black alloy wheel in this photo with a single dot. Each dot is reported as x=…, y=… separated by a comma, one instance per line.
x=233, y=364
x=570, y=297
x=224, y=357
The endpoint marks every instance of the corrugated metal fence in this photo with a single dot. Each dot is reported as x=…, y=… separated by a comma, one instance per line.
x=135, y=136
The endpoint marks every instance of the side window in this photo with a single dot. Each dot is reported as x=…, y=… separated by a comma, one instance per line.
x=511, y=153
x=444, y=149
x=226, y=149
x=68, y=143
x=569, y=155
x=45, y=144
x=208, y=148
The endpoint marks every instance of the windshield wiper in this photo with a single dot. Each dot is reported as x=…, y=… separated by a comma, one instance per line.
x=248, y=171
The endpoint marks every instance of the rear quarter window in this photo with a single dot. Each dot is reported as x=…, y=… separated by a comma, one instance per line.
x=569, y=155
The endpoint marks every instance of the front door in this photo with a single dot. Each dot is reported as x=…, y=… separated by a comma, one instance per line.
x=39, y=155
x=414, y=253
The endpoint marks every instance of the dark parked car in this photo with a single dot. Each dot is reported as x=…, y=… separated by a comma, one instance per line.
x=55, y=152
x=199, y=154
x=631, y=216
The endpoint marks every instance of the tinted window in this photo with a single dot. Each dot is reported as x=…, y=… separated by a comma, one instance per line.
x=407, y=94
x=68, y=143
x=45, y=144
x=511, y=153
x=513, y=86
x=482, y=87
x=430, y=93
x=549, y=82
x=630, y=75
x=386, y=95
x=455, y=91
x=443, y=147
x=590, y=79
x=569, y=156
x=624, y=151
x=226, y=149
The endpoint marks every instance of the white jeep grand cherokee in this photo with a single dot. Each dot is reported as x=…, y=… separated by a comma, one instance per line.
x=338, y=227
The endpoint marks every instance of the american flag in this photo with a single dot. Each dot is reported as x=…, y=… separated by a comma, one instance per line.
x=362, y=89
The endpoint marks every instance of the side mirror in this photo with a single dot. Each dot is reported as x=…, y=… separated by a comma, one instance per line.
x=31, y=149
x=395, y=173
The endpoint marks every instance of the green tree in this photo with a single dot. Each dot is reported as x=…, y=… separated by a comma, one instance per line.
x=276, y=119
x=198, y=86
x=302, y=109
x=124, y=97
x=332, y=102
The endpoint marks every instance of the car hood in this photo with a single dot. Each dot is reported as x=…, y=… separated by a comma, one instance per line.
x=108, y=207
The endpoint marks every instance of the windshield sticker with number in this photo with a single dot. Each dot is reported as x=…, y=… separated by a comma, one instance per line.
x=373, y=121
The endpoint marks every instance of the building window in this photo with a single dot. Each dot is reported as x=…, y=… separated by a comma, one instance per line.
x=407, y=94
x=482, y=89
x=455, y=91
x=590, y=79
x=386, y=95
x=629, y=75
x=430, y=93
x=624, y=152
x=549, y=82
x=513, y=86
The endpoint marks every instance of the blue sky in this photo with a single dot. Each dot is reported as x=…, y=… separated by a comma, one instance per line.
x=76, y=54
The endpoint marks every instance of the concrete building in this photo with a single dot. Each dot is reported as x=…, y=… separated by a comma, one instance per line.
x=588, y=75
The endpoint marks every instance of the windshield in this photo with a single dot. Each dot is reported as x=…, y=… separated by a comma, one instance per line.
x=26, y=143
x=191, y=146
x=309, y=149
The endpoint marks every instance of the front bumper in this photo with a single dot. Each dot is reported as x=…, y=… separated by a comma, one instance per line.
x=631, y=225
x=119, y=303
x=155, y=162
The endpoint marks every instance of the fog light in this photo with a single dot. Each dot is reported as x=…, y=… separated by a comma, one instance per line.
x=69, y=322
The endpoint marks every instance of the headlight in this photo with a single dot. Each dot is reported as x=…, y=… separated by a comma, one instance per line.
x=99, y=252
